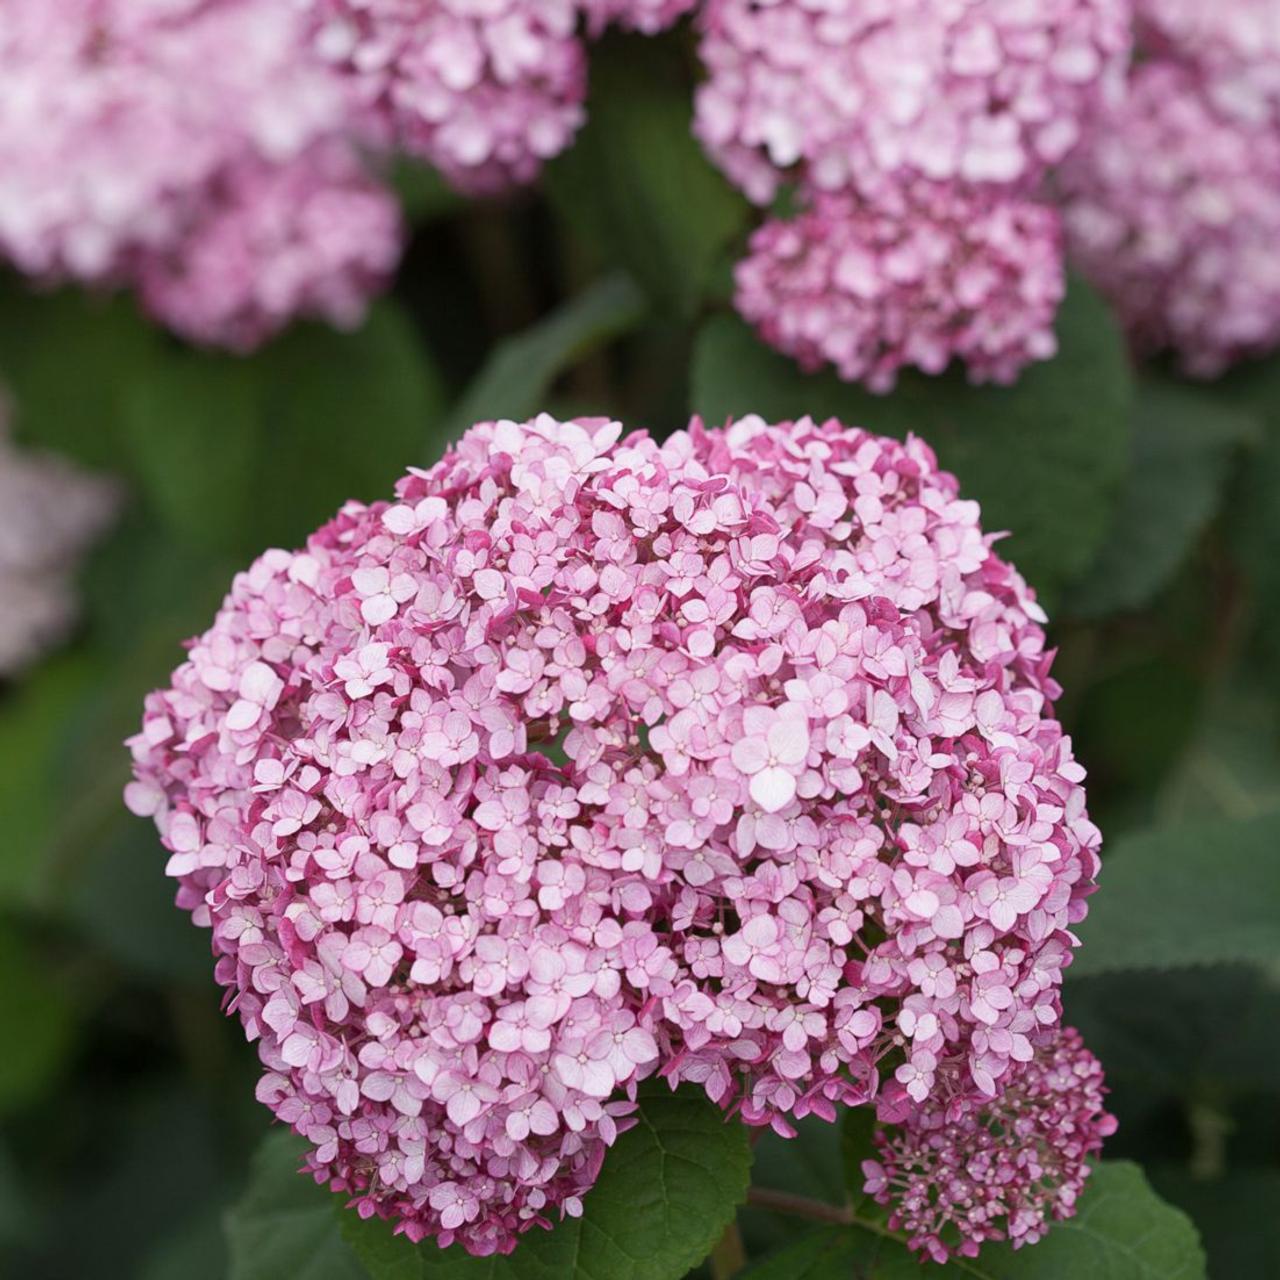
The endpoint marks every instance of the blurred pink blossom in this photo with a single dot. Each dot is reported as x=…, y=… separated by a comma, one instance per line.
x=919, y=274
x=50, y=513
x=1172, y=208
x=485, y=91
x=168, y=139
x=842, y=89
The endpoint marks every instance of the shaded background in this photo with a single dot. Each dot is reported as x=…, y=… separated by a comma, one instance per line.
x=1146, y=513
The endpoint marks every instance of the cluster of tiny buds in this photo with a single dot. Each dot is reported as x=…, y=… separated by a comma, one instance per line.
x=958, y=1174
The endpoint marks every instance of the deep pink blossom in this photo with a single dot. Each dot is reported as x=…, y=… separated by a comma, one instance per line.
x=917, y=274
x=1172, y=208
x=980, y=93
x=955, y=1175
x=730, y=758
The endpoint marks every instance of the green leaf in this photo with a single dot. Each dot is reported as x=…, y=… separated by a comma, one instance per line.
x=1203, y=893
x=344, y=415
x=1236, y=1216
x=1180, y=1034
x=33, y=717
x=834, y=1253
x=857, y=1125
x=667, y=1190
x=636, y=184
x=1044, y=457
x=240, y=453
x=16, y=1217
x=195, y=428
x=1123, y=1231
x=424, y=194
x=1254, y=513
x=70, y=361
x=194, y=1250
x=383, y=1254
x=1184, y=440
x=519, y=374
x=810, y=1164
x=1231, y=769
x=38, y=1018
x=284, y=1224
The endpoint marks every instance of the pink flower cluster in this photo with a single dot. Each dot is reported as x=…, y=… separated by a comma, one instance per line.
x=1237, y=42
x=484, y=91
x=918, y=132
x=730, y=758
x=315, y=236
x=991, y=92
x=139, y=139
x=50, y=512
x=1172, y=206
x=955, y=1177
x=927, y=273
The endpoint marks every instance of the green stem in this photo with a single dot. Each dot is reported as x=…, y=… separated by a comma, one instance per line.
x=802, y=1207
x=839, y=1216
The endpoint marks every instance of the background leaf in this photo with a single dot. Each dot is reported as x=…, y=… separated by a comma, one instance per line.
x=284, y=1224
x=1184, y=440
x=37, y=1014
x=521, y=370
x=69, y=361
x=1236, y=1215
x=1201, y=893
x=637, y=186
x=1045, y=457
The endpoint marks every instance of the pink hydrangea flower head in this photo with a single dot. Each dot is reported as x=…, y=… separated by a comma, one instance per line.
x=117, y=115
x=984, y=93
x=648, y=16
x=920, y=274
x=588, y=758
x=50, y=513
x=958, y=1175
x=1172, y=208
x=1235, y=42
x=486, y=90
x=311, y=237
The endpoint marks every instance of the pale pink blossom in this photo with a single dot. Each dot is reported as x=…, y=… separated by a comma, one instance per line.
x=486, y=92
x=915, y=274
x=840, y=89
x=730, y=759
x=1172, y=208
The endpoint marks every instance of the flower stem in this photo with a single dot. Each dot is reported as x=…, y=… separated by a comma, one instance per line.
x=800, y=1206
x=728, y=1257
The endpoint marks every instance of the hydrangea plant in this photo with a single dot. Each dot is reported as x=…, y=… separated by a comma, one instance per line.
x=728, y=761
